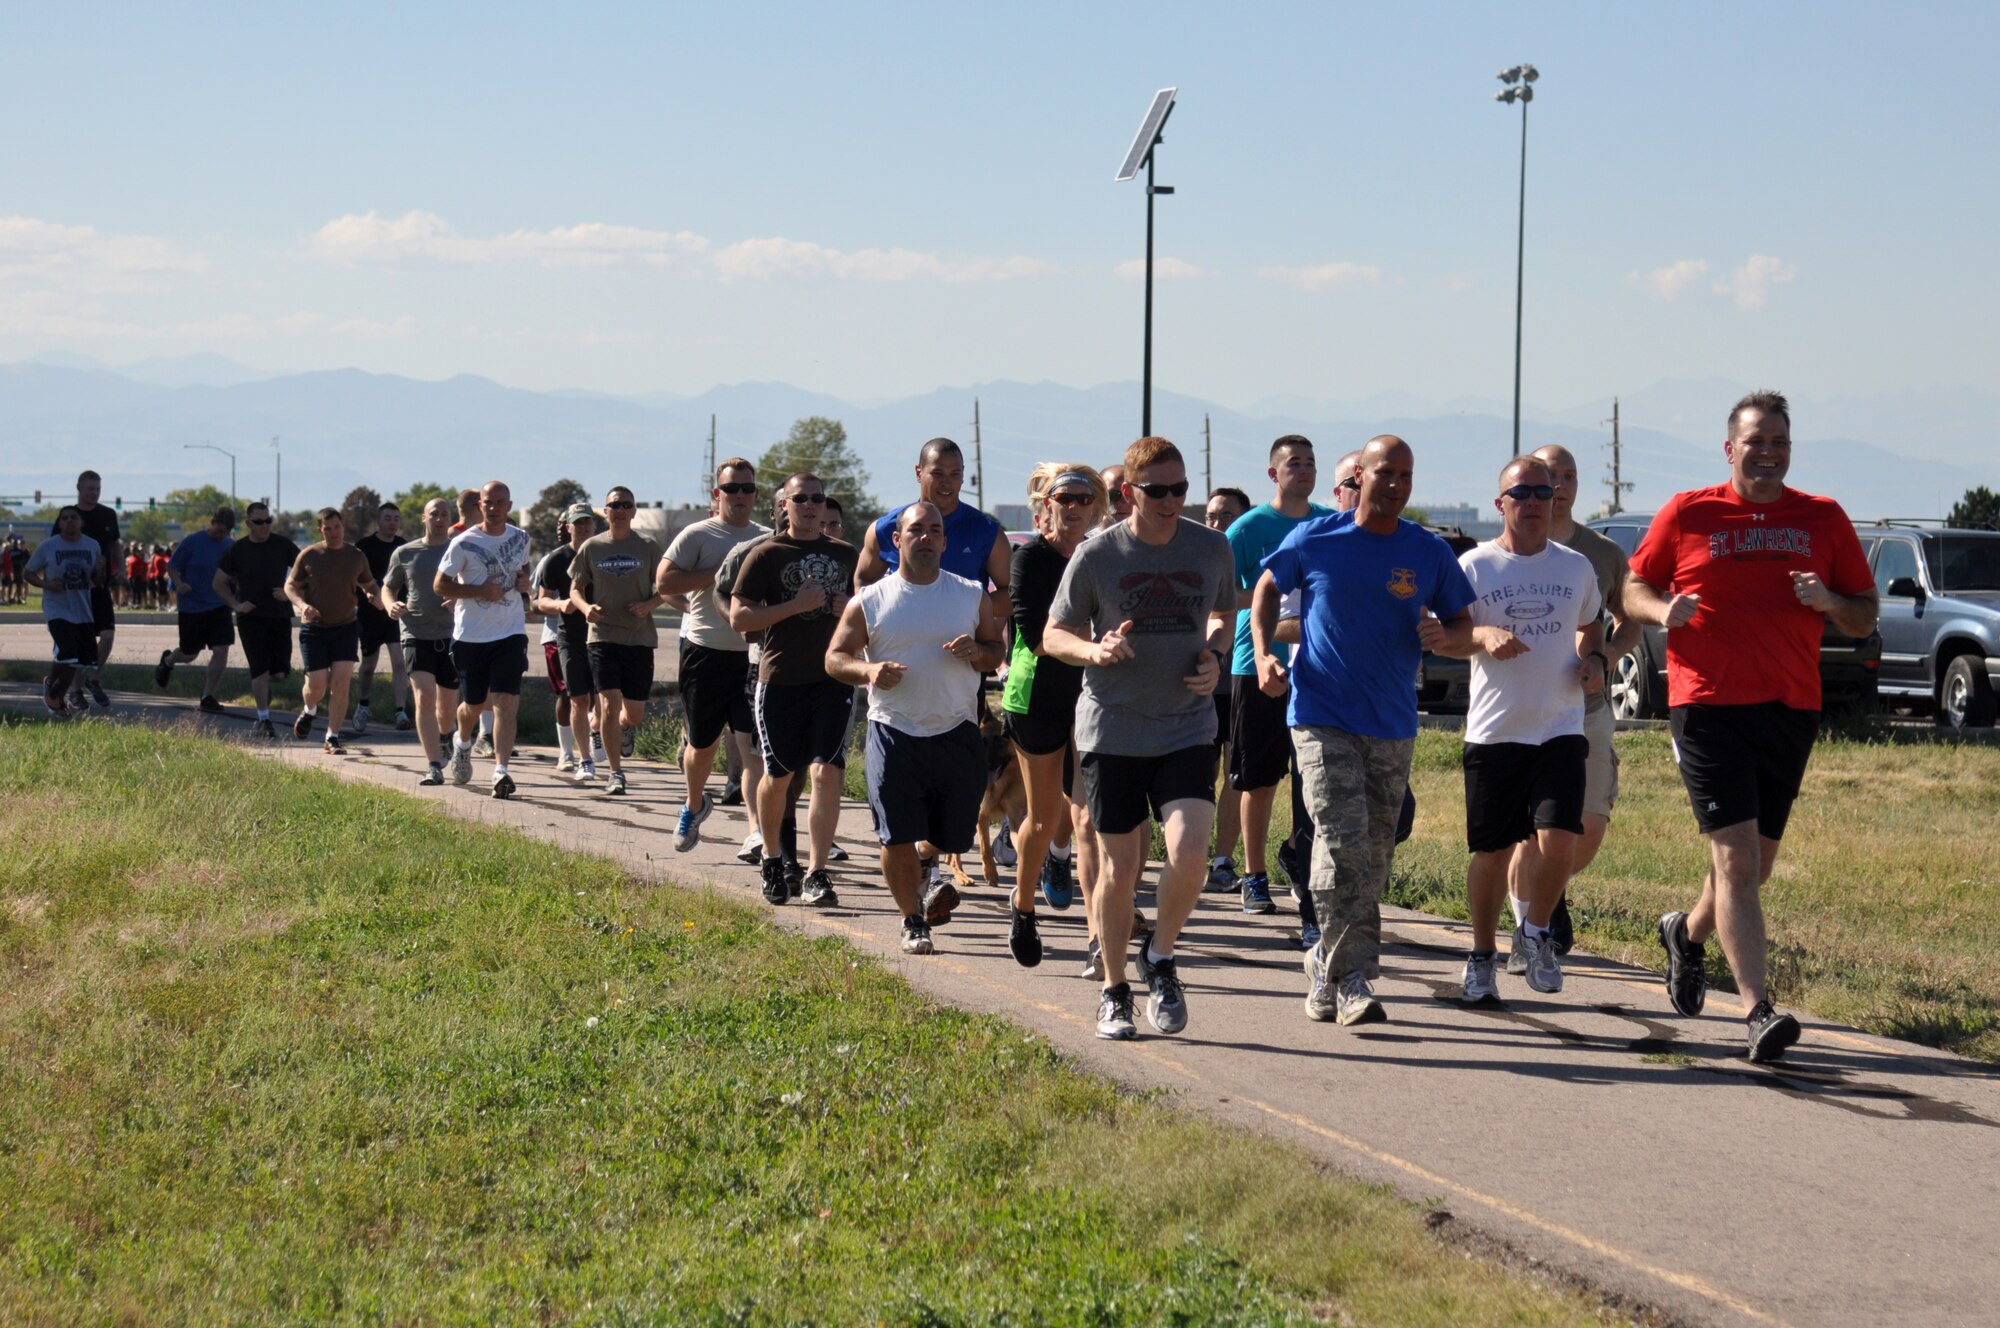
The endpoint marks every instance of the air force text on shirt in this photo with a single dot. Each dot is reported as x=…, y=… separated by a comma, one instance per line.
x=1530, y=606
x=1760, y=539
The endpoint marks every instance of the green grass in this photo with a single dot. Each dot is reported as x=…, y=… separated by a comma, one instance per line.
x=278, y=1048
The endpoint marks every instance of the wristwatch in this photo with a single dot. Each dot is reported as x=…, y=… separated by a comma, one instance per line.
x=1601, y=658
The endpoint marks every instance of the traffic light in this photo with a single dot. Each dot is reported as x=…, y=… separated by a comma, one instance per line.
x=149, y=504
x=38, y=497
x=118, y=503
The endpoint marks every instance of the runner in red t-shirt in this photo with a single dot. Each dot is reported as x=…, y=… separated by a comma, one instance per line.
x=1743, y=576
x=163, y=589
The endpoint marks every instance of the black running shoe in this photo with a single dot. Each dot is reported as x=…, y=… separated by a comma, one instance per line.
x=1561, y=929
x=210, y=706
x=97, y=696
x=165, y=669
x=334, y=746
x=732, y=796
x=939, y=901
x=302, y=727
x=1771, y=1033
x=1114, y=1014
x=818, y=891
x=1025, y=940
x=775, y=889
x=795, y=877
x=1687, y=976
x=262, y=728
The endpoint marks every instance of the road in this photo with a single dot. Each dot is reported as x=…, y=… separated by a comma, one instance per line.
x=1593, y=1132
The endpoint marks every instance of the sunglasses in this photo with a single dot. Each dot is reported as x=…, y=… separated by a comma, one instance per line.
x=735, y=489
x=807, y=498
x=1071, y=499
x=1351, y=483
x=618, y=507
x=1159, y=491
x=260, y=520
x=1523, y=491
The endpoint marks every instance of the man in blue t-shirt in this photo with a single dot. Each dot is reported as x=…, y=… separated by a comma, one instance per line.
x=976, y=548
x=202, y=617
x=1260, y=749
x=1378, y=592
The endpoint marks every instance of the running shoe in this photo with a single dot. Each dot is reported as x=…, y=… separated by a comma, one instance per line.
x=403, y=721
x=626, y=744
x=1093, y=963
x=1562, y=927
x=433, y=775
x=795, y=877
x=1517, y=954
x=1297, y=874
x=1058, y=890
x=164, y=669
x=1480, y=986
x=1221, y=878
x=1771, y=1033
x=1114, y=1014
x=1308, y=934
x=1687, y=975
x=52, y=698
x=333, y=746
x=1003, y=845
x=752, y=851
x=1308, y=919
x=1024, y=939
x=302, y=727
x=1322, y=1000
x=503, y=785
x=732, y=796
x=1142, y=927
x=597, y=750
x=939, y=901
x=916, y=937
x=835, y=853
x=1356, y=1001
x=97, y=696
x=482, y=745
x=775, y=890
x=1545, y=972
x=818, y=891
x=78, y=701
x=1257, y=893
x=616, y=784
x=264, y=729
x=687, y=833
x=461, y=764
x=586, y=771
x=566, y=766
x=360, y=721
x=210, y=706
x=1166, y=1000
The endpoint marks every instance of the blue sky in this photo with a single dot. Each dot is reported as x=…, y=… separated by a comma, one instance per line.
x=875, y=200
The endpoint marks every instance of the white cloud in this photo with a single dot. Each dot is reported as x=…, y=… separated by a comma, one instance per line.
x=1164, y=269
x=774, y=256
x=1669, y=281
x=367, y=329
x=302, y=321
x=1750, y=283
x=1457, y=285
x=1325, y=276
x=371, y=238
x=34, y=252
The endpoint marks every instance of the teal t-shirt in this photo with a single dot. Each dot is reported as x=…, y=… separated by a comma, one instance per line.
x=1253, y=537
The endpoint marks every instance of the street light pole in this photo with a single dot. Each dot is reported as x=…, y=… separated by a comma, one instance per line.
x=1142, y=153
x=211, y=447
x=278, y=494
x=1520, y=81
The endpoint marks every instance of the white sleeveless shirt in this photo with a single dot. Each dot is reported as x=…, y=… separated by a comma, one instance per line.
x=909, y=624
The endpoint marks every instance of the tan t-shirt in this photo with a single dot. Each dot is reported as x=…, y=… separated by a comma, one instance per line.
x=331, y=581
x=1608, y=561
x=617, y=573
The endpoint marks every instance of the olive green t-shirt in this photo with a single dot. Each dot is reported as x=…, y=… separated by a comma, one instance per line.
x=616, y=572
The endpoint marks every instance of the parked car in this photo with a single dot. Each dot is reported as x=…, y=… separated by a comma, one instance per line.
x=1444, y=685
x=1849, y=666
x=1940, y=590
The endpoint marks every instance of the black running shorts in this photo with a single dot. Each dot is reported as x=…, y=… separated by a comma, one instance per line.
x=625, y=669
x=267, y=644
x=378, y=629
x=322, y=647
x=1260, y=743
x=802, y=724
x=75, y=642
x=1121, y=791
x=927, y=788
x=1743, y=762
x=1513, y=789
x=712, y=693
x=486, y=667
x=432, y=657
x=205, y=629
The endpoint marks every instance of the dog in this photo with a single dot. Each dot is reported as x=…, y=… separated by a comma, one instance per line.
x=1006, y=795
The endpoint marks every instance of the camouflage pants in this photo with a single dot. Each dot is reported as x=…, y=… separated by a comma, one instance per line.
x=1354, y=790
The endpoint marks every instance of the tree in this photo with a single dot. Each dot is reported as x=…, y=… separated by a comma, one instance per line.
x=143, y=527
x=1979, y=507
x=360, y=509
x=548, y=510
x=411, y=500
x=819, y=445
x=193, y=507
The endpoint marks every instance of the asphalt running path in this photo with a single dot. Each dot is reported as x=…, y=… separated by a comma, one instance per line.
x=1593, y=1131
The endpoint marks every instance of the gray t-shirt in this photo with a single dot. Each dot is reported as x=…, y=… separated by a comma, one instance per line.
x=700, y=548
x=1608, y=561
x=1140, y=706
x=412, y=579
x=68, y=570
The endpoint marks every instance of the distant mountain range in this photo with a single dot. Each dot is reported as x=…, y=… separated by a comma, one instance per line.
x=1911, y=454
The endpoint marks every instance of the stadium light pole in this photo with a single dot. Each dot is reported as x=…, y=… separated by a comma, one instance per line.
x=1141, y=154
x=1520, y=81
x=232, y=465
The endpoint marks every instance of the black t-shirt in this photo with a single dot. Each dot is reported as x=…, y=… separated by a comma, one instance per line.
x=259, y=573
x=554, y=579
x=1053, y=686
x=377, y=550
x=774, y=572
x=101, y=524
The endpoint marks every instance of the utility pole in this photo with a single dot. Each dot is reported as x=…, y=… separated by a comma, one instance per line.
x=1207, y=456
x=1618, y=485
x=978, y=458
x=708, y=480
x=279, y=497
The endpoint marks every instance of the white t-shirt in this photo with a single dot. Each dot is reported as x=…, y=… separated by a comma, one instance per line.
x=701, y=547
x=1542, y=600
x=910, y=624
x=476, y=558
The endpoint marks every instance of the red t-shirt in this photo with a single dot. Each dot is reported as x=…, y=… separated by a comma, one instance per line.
x=135, y=567
x=160, y=561
x=1751, y=640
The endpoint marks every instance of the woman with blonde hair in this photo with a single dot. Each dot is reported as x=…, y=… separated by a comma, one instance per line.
x=1039, y=702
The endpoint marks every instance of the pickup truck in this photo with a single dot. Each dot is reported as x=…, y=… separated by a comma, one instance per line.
x=1848, y=666
x=1940, y=590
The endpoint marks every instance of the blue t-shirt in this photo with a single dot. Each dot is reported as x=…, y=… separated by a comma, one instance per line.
x=1252, y=538
x=968, y=541
x=1357, y=663
x=194, y=561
